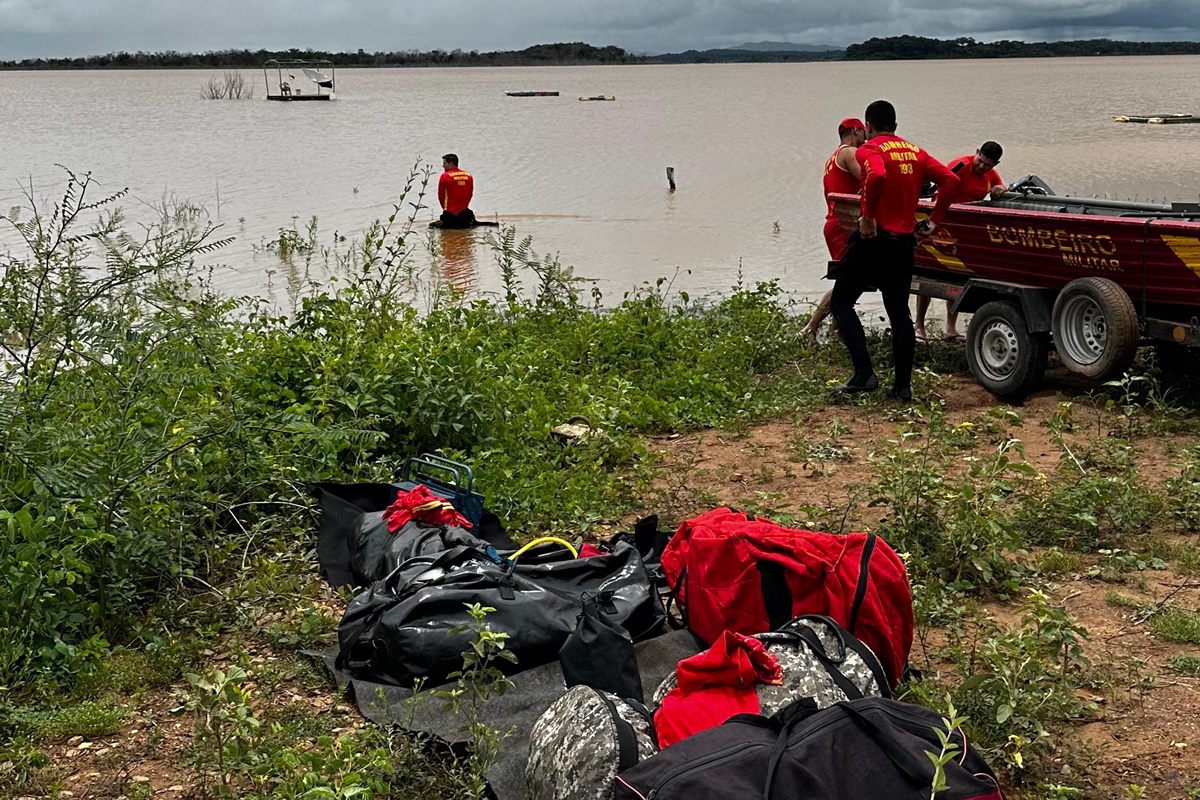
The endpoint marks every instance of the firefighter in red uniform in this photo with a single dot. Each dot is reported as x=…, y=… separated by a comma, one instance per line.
x=893, y=172
x=977, y=179
x=455, y=188
x=842, y=176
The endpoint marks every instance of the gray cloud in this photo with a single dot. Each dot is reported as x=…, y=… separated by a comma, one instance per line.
x=79, y=27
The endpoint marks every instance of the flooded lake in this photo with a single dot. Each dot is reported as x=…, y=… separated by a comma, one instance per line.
x=587, y=180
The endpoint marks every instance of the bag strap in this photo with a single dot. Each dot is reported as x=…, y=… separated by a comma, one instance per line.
x=845, y=646
x=673, y=600
x=831, y=665
x=864, y=567
x=787, y=719
x=812, y=641
x=911, y=767
x=645, y=714
x=627, y=750
x=777, y=597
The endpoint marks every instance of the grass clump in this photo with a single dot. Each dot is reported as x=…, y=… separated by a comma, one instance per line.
x=1176, y=625
x=1185, y=665
x=89, y=719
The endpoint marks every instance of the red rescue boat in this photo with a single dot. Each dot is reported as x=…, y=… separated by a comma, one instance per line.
x=1092, y=279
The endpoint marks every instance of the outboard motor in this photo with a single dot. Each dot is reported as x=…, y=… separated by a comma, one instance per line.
x=1030, y=184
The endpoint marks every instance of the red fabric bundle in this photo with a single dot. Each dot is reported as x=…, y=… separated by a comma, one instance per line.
x=714, y=686
x=423, y=505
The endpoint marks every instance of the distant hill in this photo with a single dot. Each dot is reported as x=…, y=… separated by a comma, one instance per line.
x=785, y=47
x=744, y=56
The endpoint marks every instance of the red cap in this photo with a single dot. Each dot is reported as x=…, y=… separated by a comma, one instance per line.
x=850, y=124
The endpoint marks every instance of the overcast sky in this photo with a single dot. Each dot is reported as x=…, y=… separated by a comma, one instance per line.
x=83, y=27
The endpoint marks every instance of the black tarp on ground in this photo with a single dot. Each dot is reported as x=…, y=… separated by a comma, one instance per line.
x=533, y=692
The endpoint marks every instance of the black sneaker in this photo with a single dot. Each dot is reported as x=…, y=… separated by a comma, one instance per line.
x=859, y=384
x=903, y=395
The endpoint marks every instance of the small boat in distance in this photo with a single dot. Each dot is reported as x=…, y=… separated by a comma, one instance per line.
x=285, y=88
x=532, y=94
x=599, y=97
x=1158, y=119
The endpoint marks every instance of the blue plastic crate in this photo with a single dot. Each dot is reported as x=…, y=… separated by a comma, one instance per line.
x=447, y=479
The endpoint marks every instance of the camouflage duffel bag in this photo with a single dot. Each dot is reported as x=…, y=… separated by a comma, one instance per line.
x=820, y=660
x=582, y=741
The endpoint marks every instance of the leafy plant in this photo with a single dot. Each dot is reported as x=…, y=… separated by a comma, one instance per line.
x=226, y=726
x=949, y=749
x=478, y=680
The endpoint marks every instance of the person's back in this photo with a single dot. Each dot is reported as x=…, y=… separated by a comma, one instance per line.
x=894, y=170
x=456, y=187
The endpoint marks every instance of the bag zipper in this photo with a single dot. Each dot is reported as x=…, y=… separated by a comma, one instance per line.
x=728, y=753
x=712, y=759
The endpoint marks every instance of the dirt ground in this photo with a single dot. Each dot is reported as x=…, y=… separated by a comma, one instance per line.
x=1145, y=733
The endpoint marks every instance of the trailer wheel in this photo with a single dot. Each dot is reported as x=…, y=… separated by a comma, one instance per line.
x=1003, y=354
x=1095, y=328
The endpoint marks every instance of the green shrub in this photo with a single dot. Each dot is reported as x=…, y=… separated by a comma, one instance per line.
x=196, y=418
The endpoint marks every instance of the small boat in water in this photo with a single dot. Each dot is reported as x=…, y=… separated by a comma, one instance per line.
x=1158, y=119
x=599, y=97
x=532, y=94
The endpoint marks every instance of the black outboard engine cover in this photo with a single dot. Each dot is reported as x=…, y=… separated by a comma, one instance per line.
x=1030, y=184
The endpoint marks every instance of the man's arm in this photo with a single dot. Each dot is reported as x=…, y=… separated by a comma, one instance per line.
x=847, y=159
x=947, y=183
x=443, y=187
x=996, y=186
x=873, y=174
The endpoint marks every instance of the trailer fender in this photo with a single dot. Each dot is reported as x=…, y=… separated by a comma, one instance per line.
x=1036, y=304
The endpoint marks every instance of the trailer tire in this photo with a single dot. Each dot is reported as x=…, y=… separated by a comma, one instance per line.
x=1002, y=353
x=1096, y=330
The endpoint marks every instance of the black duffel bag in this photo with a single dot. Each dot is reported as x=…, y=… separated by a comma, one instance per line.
x=398, y=631
x=867, y=748
x=375, y=552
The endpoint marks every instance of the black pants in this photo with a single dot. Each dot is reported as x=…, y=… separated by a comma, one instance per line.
x=463, y=219
x=885, y=262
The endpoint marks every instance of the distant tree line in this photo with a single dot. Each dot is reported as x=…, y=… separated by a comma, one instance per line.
x=918, y=47
x=572, y=53
x=541, y=54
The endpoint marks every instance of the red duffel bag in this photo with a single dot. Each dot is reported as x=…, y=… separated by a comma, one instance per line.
x=730, y=571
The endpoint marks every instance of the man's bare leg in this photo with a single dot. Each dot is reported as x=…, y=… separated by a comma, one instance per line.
x=819, y=314
x=951, y=323
x=922, y=308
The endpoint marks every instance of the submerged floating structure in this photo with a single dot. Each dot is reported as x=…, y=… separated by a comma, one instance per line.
x=1158, y=119
x=532, y=94
x=291, y=75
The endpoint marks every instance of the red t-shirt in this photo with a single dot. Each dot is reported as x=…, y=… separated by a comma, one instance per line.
x=837, y=180
x=972, y=187
x=455, y=188
x=894, y=170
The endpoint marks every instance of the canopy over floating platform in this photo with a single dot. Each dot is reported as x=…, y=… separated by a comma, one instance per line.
x=1158, y=119
x=292, y=76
